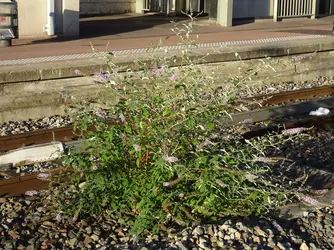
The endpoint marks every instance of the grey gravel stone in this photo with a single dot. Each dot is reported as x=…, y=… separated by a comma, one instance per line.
x=39, y=225
x=198, y=231
x=271, y=243
x=182, y=245
x=304, y=246
x=284, y=86
x=280, y=245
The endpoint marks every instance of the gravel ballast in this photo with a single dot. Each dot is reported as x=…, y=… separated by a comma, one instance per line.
x=24, y=170
x=17, y=127
x=275, y=88
x=29, y=223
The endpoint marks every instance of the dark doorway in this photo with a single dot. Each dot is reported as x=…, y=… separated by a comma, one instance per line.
x=324, y=7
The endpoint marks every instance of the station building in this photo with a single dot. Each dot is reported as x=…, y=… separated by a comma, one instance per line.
x=39, y=18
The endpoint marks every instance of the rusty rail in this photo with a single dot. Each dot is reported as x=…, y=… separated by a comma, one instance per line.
x=19, y=185
x=292, y=96
x=322, y=122
x=64, y=134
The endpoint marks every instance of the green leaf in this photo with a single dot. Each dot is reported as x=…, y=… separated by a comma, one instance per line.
x=210, y=126
x=166, y=111
x=254, y=196
x=127, y=129
x=191, y=122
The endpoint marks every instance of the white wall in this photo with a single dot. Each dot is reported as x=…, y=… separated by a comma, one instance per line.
x=107, y=6
x=32, y=18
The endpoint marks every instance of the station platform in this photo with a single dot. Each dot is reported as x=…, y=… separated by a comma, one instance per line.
x=134, y=33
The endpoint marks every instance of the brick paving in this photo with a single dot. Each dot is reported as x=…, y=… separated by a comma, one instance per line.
x=132, y=31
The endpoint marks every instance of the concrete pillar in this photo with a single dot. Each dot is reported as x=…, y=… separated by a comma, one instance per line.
x=314, y=9
x=187, y=10
x=140, y=6
x=50, y=20
x=71, y=19
x=275, y=11
x=225, y=12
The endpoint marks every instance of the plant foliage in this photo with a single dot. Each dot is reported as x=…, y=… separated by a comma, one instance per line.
x=159, y=153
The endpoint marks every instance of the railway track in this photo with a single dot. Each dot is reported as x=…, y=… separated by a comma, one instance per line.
x=18, y=184
x=290, y=99
x=294, y=96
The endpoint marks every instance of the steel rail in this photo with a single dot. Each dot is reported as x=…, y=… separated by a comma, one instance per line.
x=292, y=96
x=318, y=179
x=66, y=134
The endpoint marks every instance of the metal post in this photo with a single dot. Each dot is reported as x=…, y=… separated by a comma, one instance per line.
x=314, y=9
x=168, y=7
x=275, y=14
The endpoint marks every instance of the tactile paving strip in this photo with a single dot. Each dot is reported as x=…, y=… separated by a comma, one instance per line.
x=146, y=50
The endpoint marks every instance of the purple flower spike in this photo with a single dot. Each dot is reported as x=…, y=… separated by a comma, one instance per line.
x=43, y=176
x=122, y=117
x=101, y=113
x=309, y=200
x=31, y=193
x=181, y=195
x=171, y=159
x=221, y=183
x=74, y=219
x=247, y=121
x=78, y=72
x=263, y=159
x=278, y=227
x=59, y=218
x=204, y=144
x=293, y=131
x=167, y=184
x=173, y=78
x=159, y=70
x=320, y=192
x=136, y=147
x=301, y=57
x=251, y=177
x=104, y=76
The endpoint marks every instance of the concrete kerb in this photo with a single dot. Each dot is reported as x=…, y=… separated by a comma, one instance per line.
x=58, y=70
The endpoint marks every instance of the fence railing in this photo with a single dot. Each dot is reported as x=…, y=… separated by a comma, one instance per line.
x=294, y=8
x=157, y=6
x=8, y=20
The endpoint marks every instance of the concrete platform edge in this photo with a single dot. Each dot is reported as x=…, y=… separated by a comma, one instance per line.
x=66, y=69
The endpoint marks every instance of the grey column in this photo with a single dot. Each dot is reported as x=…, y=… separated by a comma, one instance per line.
x=225, y=12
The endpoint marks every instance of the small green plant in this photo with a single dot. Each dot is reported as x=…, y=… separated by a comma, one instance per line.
x=159, y=153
